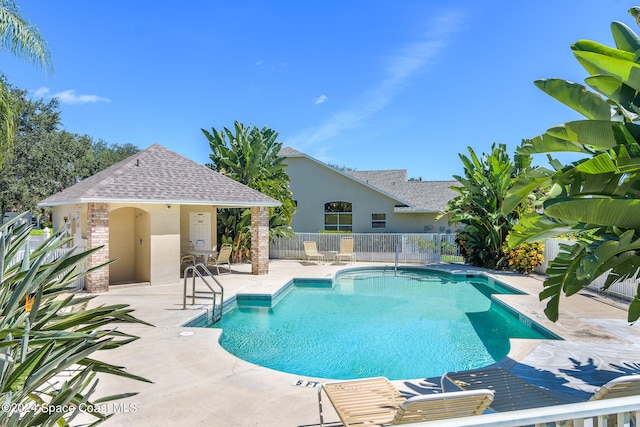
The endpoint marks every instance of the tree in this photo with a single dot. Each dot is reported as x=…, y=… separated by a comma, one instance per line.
x=45, y=160
x=22, y=39
x=478, y=207
x=104, y=155
x=47, y=337
x=250, y=156
x=598, y=196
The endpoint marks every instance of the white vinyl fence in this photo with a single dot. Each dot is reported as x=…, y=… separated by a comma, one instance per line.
x=626, y=289
x=34, y=242
x=384, y=247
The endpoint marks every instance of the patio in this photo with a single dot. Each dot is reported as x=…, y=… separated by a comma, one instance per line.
x=196, y=382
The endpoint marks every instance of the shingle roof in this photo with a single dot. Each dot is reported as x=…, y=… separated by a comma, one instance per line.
x=420, y=196
x=288, y=151
x=159, y=175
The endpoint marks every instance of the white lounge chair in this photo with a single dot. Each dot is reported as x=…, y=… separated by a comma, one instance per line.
x=311, y=251
x=511, y=392
x=346, y=250
x=224, y=257
x=628, y=385
x=376, y=402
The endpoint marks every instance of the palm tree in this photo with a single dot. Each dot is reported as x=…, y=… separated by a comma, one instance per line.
x=597, y=197
x=22, y=39
x=250, y=155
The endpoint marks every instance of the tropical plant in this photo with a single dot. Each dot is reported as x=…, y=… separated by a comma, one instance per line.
x=22, y=39
x=478, y=207
x=523, y=258
x=600, y=193
x=47, y=338
x=250, y=156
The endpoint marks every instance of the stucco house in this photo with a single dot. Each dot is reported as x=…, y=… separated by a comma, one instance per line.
x=144, y=211
x=378, y=201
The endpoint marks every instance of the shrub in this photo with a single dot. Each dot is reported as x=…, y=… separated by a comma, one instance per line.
x=48, y=338
x=524, y=257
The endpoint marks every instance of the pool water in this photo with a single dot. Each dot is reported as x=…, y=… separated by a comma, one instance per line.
x=401, y=326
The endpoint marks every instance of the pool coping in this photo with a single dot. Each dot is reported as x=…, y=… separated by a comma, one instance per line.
x=199, y=383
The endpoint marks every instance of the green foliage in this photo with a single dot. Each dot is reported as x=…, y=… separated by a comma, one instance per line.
x=597, y=197
x=47, y=335
x=22, y=39
x=45, y=160
x=250, y=155
x=478, y=208
x=524, y=257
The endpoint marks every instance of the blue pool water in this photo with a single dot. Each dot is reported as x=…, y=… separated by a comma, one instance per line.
x=369, y=323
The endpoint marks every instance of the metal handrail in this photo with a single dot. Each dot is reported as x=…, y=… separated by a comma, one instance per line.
x=191, y=271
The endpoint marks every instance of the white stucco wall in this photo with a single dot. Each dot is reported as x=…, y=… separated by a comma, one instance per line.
x=313, y=185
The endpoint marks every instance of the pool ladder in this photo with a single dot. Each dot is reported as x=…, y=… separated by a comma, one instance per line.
x=215, y=294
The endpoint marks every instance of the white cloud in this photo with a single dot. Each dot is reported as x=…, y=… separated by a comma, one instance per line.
x=41, y=92
x=69, y=96
x=321, y=99
x=409, y=60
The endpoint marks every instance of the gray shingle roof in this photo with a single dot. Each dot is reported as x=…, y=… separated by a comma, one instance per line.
x=159, y=175
x=288, y=151
x=420, y=196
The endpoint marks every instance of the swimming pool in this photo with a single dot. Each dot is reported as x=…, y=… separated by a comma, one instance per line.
x=402, y=325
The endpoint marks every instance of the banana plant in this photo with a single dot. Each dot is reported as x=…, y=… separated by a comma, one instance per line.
x=478, y=207
x=48, y=338
x=600, y=193
x=251, y=156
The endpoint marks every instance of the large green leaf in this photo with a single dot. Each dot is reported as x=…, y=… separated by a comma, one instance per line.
x=533, y=226
x=602, y=211
x=602, y=163
x=625, y=70
x=602, y=49
x=593, y=47
x=561, y=278
x=625, y=38
x=600, y=134
x=591, y=265
x=524, y=186
x=576, y=96
x=623, y=95
x=546, y=143
x=634, y=307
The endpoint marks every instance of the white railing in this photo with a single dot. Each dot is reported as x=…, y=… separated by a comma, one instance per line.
x=78, y=283
x=410, y=247
x=590, y=413
x=625, y=289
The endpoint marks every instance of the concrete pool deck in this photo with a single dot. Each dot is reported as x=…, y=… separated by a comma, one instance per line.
x=196, y=382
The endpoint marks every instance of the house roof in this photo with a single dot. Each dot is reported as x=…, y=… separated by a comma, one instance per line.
x=415, y=196
x=159, y=175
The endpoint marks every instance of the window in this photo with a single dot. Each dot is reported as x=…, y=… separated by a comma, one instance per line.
x=338, y=216
x=379, y=220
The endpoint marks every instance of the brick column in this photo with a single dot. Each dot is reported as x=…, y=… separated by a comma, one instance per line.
x=259, y=240
x=98, y=235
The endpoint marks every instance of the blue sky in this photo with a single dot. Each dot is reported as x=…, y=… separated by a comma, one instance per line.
x=366, y=84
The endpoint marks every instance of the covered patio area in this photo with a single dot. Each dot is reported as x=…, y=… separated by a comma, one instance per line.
x=142, y=213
